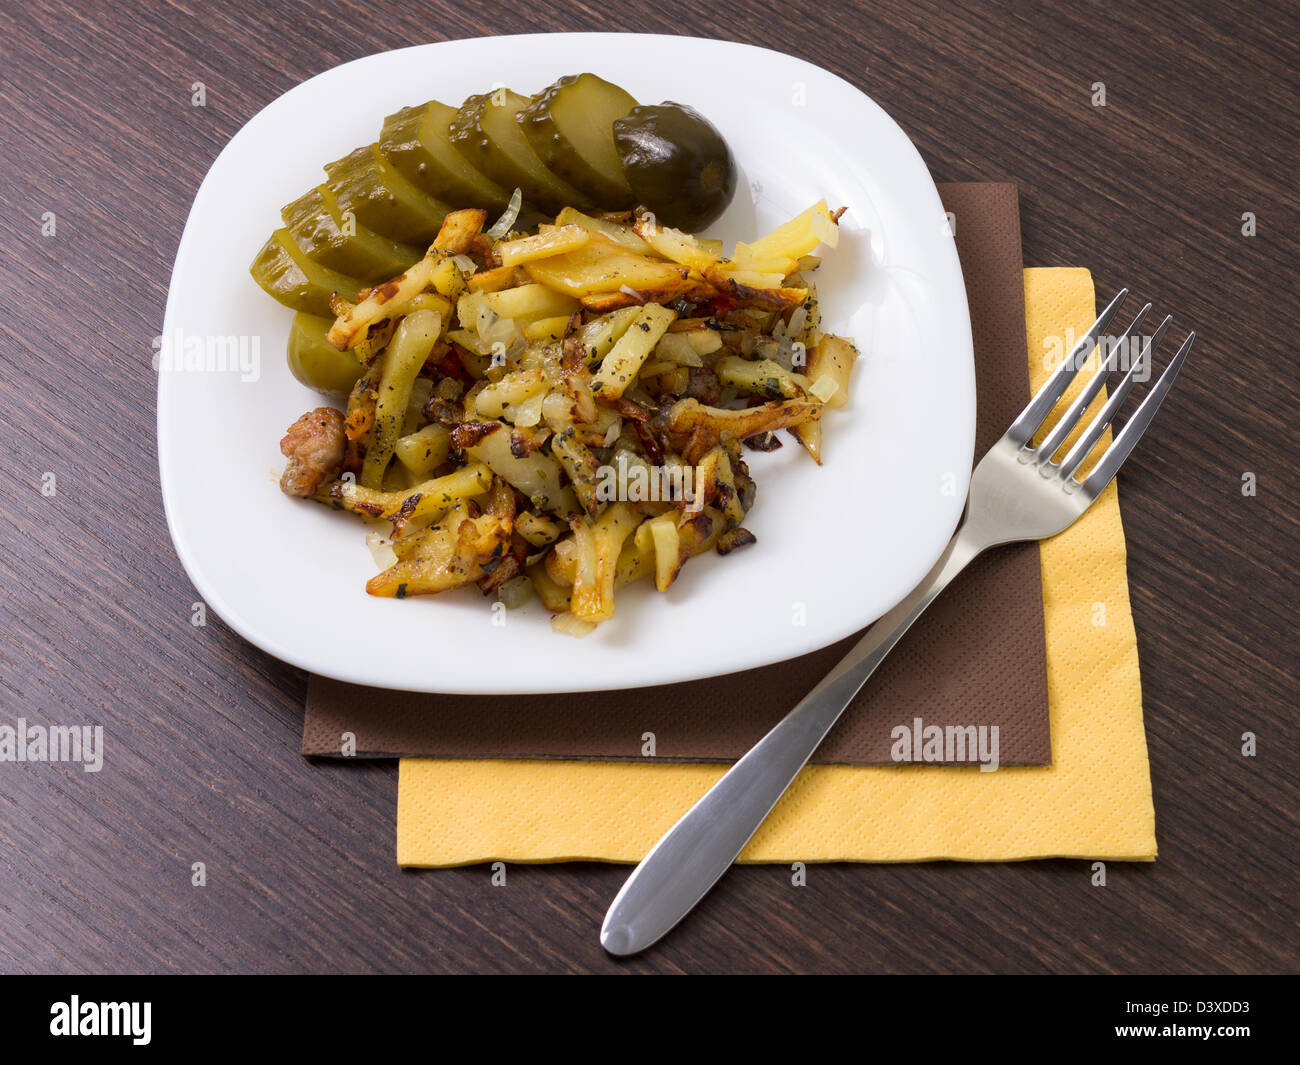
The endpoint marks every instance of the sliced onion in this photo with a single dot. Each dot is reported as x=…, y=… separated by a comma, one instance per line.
x=503, y=225
x=797, y=321
x=824, y=387
x=499, y=330
x=557, y=409
x=567, y=625
x=529, y=412
x=465, y=264
x=614, y=432
x=381, y=550
x=515, y=592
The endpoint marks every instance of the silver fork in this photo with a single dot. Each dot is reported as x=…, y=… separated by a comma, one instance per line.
x=1017, y=492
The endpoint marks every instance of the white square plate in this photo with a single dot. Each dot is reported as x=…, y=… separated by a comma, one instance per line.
x=837, y=545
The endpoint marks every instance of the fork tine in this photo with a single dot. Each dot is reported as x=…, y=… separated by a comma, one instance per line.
x=1136, y=425
x=1087, y=441
x=1046, y=398
x=1070, y=418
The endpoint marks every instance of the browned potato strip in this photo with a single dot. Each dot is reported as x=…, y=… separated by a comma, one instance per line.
x=599, y=547
x=401, y=507
x=658, y=536
x=619, y=368
x=688, y=414
x=734, y=539
x=550, y=240
x=493, y=280
x=696, y=534
x=458, y=231
x=675, y=245
x=562, y=562
x=582, y=467
x=809, y=434
x=763, y=291
x=379, y=301
x=633, y=564
x=603, y=267
x=715, y=485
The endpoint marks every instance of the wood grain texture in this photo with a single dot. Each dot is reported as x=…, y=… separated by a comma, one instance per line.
x=1200, y=126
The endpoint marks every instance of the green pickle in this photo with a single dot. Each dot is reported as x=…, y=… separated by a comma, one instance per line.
x=487, y=133
x=316, y=362
x=369, y=186
x=288, y=275
x=344, y=244
x=677, y=163
x=416, y=141
x=571, y=127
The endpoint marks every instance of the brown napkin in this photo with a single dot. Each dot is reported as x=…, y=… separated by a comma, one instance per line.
x=975, y=658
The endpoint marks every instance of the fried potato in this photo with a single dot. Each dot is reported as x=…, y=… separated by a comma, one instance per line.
x=601, y=334
x=548, y=241
x=689, y=414
x=603, y=267
x=455, y=552
x=537, y=475
x=675, y=245
x=411, y=346
x=832, y=359
x=581, y=466
x=659, y=536
x=492, y=280
x=796, y=238
x=380, y=301
x=459, y=228
x=620, y=366
x=532, y=366
x=424, y=450
x=599, y=547
x=760, y=377
x=809, y=434
x=538, y=529
x=614, y=232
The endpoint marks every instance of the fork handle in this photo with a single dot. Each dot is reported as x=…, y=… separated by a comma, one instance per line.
x=682, y=867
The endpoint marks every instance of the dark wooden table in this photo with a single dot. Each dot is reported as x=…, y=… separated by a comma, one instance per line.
x=1199, y=127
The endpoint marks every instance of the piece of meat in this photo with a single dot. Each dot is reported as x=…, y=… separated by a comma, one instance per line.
x=704, y=386
x=314, y=446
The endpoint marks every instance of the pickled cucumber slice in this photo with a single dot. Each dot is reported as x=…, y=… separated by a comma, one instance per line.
x=369, y=186
x=289, y=276
x=571, y=127
x=416, y=141
x=342, y=243
x=488, y=134
x=316, y=362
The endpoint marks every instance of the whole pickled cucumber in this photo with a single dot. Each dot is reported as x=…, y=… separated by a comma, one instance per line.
x=571, y=127
x=287, y=275
x=677, y=162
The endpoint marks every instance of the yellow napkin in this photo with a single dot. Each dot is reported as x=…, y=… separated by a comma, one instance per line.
x=1094, y=801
